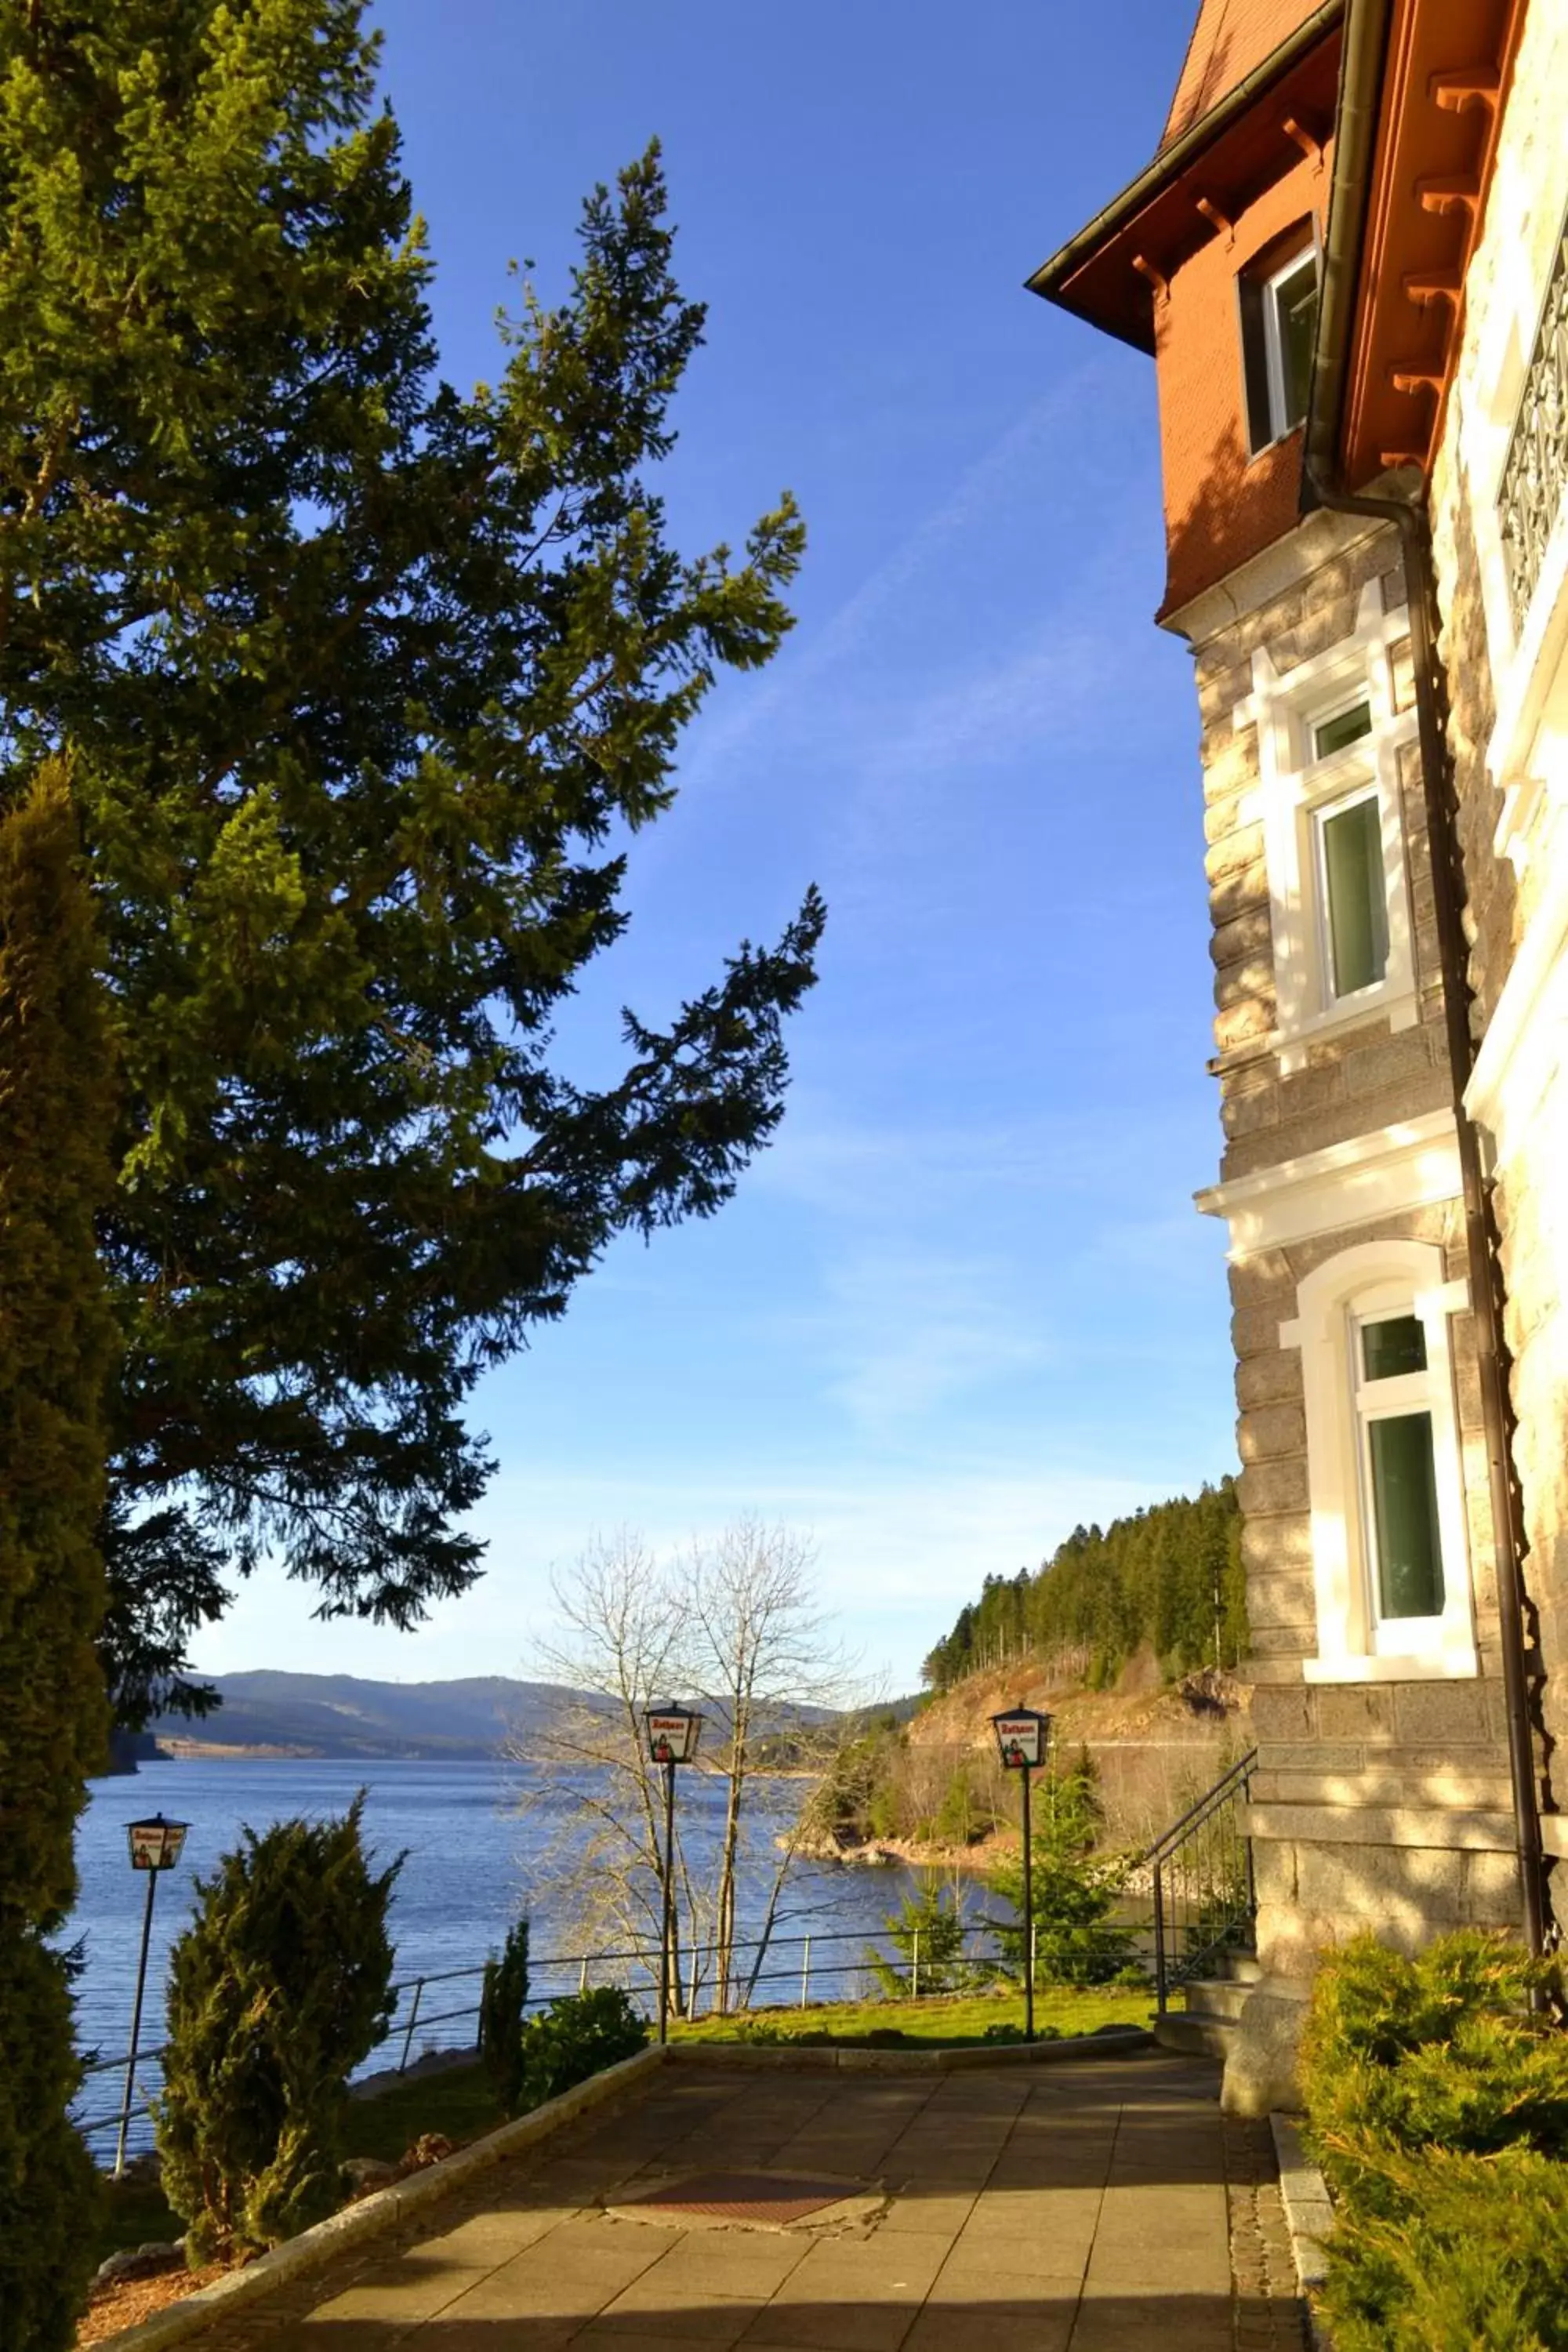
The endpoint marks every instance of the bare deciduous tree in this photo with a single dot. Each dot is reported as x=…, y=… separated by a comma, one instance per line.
x=618, y=1648
x=767, y=1662
x=733, y=1624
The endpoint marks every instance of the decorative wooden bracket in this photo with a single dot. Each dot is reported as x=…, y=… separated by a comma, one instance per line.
x=1448, y=192
x=1425, y=285
x=1456, y=87
x=1157, y=278
x=1212, y=213
x=1415, y=379
x=1310, y=145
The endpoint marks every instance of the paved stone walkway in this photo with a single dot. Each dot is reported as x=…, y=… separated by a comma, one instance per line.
x=1101, y=2206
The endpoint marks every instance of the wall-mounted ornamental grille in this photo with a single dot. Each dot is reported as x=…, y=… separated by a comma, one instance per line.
x=1535, y=478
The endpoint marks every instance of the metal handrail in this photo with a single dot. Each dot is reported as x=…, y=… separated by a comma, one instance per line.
x=1199, y=1910
x=1171, y=1837
x=977, y=1945
x=1170, y=1959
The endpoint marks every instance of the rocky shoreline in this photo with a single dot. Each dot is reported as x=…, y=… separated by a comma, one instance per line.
x=910, y=1853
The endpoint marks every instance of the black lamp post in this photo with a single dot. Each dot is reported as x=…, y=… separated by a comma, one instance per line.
x=1021, y=1736
x=672, y=1737
x=154, y=1845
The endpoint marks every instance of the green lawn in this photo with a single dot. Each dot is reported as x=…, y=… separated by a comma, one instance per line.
x=460, y=2105
x=955, y=2018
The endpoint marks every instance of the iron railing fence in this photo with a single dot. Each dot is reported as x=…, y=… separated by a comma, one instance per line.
x=1198, y=1873
x=1534, y=484
x=792, y=1970
x=1191, y=1898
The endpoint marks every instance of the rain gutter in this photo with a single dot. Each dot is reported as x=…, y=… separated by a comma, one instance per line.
x=1360, y=83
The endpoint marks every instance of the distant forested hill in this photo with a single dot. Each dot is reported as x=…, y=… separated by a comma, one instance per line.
x=338, y=1715
x=1170, y=1576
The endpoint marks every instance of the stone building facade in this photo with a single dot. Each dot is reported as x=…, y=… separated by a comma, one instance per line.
x=1382, y=1793
x=1392, y=1740
x=1499, y=503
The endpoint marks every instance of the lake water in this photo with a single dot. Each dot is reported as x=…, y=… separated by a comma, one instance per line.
x=472, y=1857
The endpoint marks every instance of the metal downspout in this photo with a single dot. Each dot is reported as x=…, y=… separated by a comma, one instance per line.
x=1361, y=74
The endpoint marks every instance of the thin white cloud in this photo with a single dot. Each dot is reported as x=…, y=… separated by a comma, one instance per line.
x=907, y=1332
x=911, y=578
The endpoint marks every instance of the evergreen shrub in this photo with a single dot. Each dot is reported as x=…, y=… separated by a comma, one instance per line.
x=927, y=1930
x=1073, y=1890
x=279, y=1988
x=575, y=2037
x=1460, y=2254
x=58, y=1105
x=1436, y=2102
x=502, y=2004
x=959, y=1820
x=49, y=2188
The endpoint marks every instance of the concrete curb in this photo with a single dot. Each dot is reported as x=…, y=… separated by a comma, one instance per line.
x=380, y=2211
x=1308, y=2214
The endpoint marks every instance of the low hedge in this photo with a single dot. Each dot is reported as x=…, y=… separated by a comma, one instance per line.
x=576, y=2036
x=1436, y=2101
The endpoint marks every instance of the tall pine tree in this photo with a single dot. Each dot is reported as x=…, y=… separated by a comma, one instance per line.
x=365, y=682
x=57, y=1339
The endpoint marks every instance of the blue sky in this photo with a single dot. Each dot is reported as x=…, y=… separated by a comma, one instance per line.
x=964, y=1301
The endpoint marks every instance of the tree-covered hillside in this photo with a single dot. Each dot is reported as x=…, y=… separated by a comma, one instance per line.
x=1170, y=1576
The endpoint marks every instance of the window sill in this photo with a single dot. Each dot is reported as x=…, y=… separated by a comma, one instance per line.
x=1267, y=448
x=1400, y=1007
x=1439, y=1667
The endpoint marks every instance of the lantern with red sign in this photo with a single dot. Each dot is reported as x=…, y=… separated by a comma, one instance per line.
x=1021, y=1736
x=673, y=1736
x=1022, y=1733
x=155, y=1844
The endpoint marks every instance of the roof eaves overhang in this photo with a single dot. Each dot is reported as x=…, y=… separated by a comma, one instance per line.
x=1421, y=100
x=1056, y=280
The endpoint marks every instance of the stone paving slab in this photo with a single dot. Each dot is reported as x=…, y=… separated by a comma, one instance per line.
x=1106, y=2206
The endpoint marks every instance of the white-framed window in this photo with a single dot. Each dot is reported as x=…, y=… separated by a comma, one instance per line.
x=1390, y=1560
x=1401, y=1530
x=1278, y=311
x=1330, y=737
x=1352, y=885
x=1337, y=730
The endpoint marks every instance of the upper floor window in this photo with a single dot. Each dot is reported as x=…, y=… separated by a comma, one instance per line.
x=1337, y=732
x=1278, y=320
x=1329, y=795
x=1352, y=904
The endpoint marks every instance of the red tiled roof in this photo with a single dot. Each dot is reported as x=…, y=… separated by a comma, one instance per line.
x=1230, y=37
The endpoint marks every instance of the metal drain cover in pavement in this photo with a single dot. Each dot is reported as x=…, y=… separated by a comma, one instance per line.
x=777, y=2197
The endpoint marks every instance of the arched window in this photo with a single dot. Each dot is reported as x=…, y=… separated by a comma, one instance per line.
x=1390, y=1560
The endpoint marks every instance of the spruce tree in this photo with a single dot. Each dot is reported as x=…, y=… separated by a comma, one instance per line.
x=367, y=681
x=277, y=1989
x=55, y=1348
x=502, y=2005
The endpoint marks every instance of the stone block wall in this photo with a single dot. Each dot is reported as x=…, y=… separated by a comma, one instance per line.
x=1381, y=1806
x=1510, y=886
x=1375, y=1804
x=1271, y=1435
x=1378, y=1804
x=1363, y=1075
